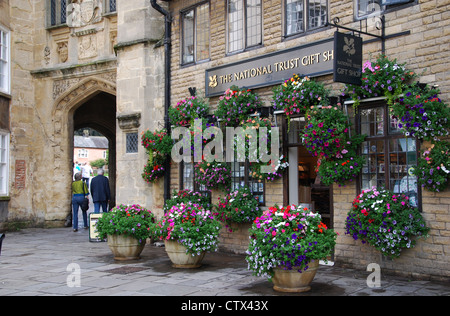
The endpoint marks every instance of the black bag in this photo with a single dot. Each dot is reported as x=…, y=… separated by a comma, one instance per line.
x=85, y=204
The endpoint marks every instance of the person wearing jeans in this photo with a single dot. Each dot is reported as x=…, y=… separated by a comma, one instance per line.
x=100, y=191
x=79, y=193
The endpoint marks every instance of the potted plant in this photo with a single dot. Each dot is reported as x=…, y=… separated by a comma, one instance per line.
x=188, y=109
x=236, y=105
x=384, y=77
x=159, y=146
x=188, y=231
x=239, y=206
x=433, y=168
x=386, y=221
x=126, y=227
x=286, y=245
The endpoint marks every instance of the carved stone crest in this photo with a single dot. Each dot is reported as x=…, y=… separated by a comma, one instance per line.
x=84, y=12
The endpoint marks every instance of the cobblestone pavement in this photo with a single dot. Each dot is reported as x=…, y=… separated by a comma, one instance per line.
x=41, y=262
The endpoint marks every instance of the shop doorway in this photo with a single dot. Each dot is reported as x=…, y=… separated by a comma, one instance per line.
x=303, y=185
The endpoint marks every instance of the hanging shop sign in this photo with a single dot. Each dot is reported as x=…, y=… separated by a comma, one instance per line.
x=313, y=59
x=347, y=58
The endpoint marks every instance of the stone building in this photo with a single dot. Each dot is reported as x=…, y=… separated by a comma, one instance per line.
x=115, y=66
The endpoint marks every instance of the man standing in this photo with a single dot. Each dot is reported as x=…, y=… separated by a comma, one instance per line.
x=101, y=194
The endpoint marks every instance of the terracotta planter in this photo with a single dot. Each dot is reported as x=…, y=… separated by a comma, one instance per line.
x=179, y=257
x=293, y=281
x=125, y=247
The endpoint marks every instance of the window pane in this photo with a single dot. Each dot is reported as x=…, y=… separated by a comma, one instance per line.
x=294, y=16
x=372, y=121
x=188, y=176
x=317, y=13
x=203, y=32
x=188, y=37
x=403, y=158
x=235, y=25
x=132, y=143
x=373, y=173
x=253, y=22
x=366, y=7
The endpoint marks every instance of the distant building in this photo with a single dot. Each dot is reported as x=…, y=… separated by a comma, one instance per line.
x=87, y=149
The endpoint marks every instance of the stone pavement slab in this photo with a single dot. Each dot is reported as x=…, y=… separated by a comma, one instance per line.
x=39, y=262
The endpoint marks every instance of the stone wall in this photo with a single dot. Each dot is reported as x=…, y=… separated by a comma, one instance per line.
x=424, y=50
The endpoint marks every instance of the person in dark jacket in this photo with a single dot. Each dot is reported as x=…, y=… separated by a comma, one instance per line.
x=100, y=192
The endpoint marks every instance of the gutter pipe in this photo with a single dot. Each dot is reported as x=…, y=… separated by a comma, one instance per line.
x=167, y=51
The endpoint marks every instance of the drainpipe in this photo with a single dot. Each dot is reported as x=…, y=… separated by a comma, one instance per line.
x=167, y=44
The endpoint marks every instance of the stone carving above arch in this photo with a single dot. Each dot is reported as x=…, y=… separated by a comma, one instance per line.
x=78, y=91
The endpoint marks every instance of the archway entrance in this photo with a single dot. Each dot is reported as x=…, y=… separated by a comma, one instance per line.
x=99, y=113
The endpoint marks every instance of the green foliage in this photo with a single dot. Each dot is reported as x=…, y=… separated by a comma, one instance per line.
x=130, y=220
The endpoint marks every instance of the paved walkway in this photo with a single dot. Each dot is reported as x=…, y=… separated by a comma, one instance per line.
x=37, y=262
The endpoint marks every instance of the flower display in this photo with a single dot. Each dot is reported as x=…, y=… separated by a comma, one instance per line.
x=422, y=114
x=326, y=131
x=297, y=94
x=192, y=225
x=130, y=220
x=288, y=237
x=239, y=206
x=384, y=77
x=213, y=174
x=386, y=221
x=158, y=145
x=345, y=166
x=188, y=109
x=276, y=172
x=185, y=196
x=433, y=168
x=236, y=105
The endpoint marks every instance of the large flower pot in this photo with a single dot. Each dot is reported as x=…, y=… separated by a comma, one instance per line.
x=125, y=247
x=179, y=257
x=294, y=281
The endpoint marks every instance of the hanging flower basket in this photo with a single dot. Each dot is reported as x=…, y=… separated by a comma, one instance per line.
x=188, y=109
x=384, y=77
x=296, y=95
x=433, y=168
x=213, y=175
x=422, y=114
x=159, y=146
x=236, y=105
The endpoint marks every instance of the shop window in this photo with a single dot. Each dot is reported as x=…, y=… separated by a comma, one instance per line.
x=367, y=7
x=305, y=15
x=4, y=61
x=244, y=24
x=187, y=179
x=195, y=34
x=241, y=176
x=4, y=163
x=390, y=157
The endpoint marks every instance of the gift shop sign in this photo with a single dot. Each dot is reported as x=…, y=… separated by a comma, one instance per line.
x=313, y=59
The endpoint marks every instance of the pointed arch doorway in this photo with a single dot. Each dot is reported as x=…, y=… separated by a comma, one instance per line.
x=99, y=113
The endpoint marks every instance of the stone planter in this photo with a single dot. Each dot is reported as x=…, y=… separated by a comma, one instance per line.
x=293, y=281
x=125, y=247
x=179, y=257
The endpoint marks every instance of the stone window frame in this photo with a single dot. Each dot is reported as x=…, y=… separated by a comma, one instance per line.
x=4, y=162
x=306, y=16
x=201, y=37
x=245, y=31
x=5, y=60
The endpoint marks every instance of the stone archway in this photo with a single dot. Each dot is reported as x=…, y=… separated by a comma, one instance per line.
x=91, y=102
